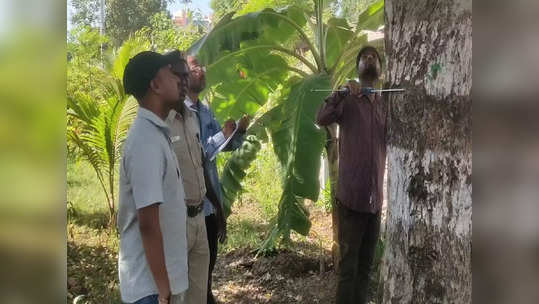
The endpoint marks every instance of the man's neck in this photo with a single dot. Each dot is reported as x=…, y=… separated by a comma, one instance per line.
x=193, y=96
x=367, y=83
x=180, y=109
x=158, y=108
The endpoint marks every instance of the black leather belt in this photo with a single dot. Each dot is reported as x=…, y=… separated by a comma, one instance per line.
x=194, y=210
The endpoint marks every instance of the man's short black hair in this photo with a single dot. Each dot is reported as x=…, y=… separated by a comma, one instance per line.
x=365, y=49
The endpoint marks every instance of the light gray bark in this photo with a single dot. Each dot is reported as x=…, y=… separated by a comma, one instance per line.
x=427, y=256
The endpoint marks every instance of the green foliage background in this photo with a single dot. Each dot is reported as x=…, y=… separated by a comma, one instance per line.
x=260, y=61
x=254, y=56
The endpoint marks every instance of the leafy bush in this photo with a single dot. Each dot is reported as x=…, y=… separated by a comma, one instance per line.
x=263, y=182
x=324, y=200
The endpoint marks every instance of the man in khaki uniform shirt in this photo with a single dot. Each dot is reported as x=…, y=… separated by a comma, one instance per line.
x=185, y=137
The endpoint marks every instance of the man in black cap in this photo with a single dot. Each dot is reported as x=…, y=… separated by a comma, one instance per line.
x=152, y=262
x=361, y=116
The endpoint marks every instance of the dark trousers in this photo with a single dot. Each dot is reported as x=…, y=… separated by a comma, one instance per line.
x=211, y=229
x=358, y=235
x=152, y=299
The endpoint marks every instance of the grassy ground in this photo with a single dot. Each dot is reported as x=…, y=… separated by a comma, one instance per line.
x=300, y=271
x=92, y=249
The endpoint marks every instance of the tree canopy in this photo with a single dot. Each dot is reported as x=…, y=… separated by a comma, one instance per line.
x=122, y=17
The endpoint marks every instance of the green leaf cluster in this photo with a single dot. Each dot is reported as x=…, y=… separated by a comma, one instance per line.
x=287, y=52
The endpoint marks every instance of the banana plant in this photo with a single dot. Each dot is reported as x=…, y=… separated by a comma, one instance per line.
x=250, y=57
x=98, y=128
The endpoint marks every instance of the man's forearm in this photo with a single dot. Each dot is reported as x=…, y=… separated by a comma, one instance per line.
x=152, y=240
x=235, y=142
x=329, y=112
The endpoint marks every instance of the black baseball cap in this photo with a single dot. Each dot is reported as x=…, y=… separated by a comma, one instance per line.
x=141, y=69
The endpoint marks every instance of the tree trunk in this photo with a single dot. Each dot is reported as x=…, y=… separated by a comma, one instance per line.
x=428, y=230
x=332, y=149
x=113, y=221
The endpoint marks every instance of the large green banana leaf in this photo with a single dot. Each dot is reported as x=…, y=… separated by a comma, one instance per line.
x=338, y=34
x=298, y=143
x=372, y=17
x=268, y=27
x=242, y=82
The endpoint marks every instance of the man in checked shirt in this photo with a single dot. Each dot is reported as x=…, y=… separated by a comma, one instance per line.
x=362, y=155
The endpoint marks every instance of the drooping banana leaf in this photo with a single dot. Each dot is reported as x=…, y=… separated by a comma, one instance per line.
x=234, y=171
x=298, y=144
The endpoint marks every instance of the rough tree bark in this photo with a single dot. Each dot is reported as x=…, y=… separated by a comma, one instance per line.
x=428, y=230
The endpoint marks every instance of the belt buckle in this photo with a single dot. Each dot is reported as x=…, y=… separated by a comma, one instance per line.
x=194, y=210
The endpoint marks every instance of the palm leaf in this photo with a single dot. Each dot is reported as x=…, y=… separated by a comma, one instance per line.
x=129, y=48
x=100, y=127
x=82, y=108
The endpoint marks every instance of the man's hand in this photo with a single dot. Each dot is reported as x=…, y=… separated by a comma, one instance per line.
x=354, y=87
x=164, y=299
x=229, y=127
x=221, y=232
x=221, y=226
x=244, y=123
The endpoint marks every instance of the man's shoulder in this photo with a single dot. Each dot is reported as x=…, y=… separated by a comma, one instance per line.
x=144, y=134
x=203, y=107
x=206, y=114
x=142, y=129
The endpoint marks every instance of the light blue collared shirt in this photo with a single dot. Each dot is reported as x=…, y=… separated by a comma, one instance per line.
x=149, y=174
x=211, y=135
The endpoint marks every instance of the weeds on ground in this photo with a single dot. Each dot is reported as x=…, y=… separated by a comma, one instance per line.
x=92, y=247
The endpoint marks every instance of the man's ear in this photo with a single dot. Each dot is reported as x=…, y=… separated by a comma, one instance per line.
x=154, y=85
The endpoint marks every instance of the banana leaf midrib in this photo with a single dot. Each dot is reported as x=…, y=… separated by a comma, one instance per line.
x=287, y=19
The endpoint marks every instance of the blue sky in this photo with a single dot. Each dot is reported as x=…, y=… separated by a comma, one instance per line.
x=203, y=5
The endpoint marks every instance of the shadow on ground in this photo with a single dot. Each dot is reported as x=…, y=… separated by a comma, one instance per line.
x=92, y=271
x=95, y=220
x=285, y=277
x=305, y=275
